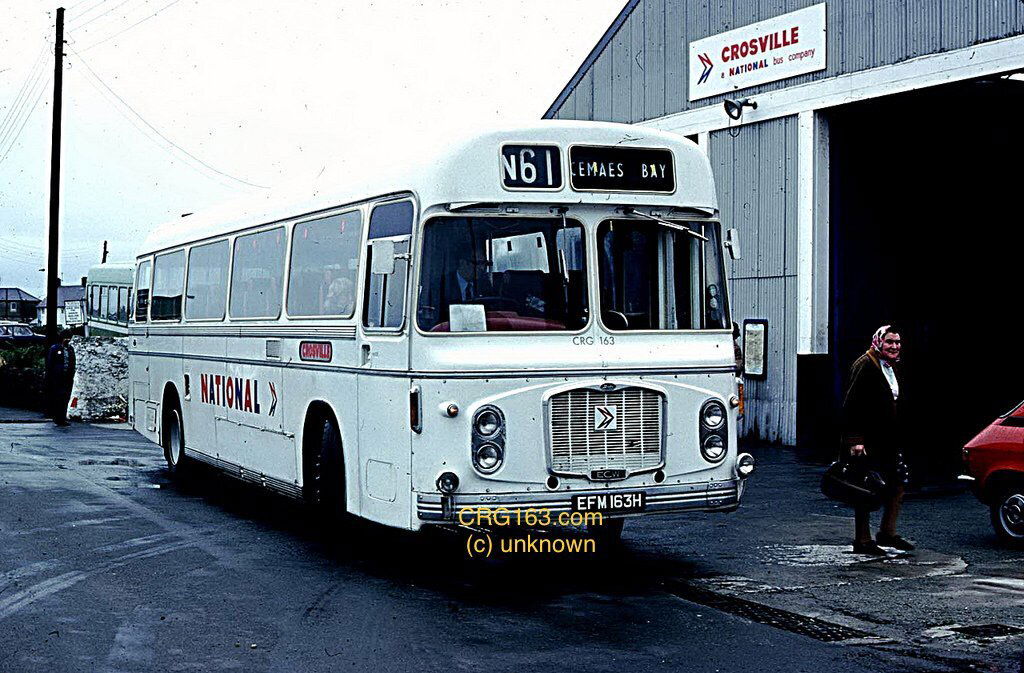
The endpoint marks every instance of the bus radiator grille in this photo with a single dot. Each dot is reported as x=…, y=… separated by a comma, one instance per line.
x=633, y=444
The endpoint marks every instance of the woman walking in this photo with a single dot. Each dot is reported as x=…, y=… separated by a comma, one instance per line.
x=871, y=433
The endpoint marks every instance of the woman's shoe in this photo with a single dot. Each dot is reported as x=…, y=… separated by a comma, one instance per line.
x=869, y=548
x=894, y=541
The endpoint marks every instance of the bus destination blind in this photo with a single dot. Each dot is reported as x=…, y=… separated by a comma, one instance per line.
x=621, y=169
x=531, y=167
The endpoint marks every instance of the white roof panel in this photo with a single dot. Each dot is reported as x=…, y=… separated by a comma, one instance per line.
x=440, y=172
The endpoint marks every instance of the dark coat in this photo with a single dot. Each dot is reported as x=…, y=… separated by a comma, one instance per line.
x=870, y=414
x=60, y=367
x=60, y=375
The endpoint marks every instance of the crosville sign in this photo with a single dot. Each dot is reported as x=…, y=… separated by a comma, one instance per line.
x=766, y=51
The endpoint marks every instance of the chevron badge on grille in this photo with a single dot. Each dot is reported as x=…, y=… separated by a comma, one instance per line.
x=606, y=417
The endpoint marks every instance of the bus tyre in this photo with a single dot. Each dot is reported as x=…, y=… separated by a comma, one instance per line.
x=608, y=533
x=173, y=436
x=1007, y=512
x=327, y=473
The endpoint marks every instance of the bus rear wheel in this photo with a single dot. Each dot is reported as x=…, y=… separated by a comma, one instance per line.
x=173, y=436
x=326, y=471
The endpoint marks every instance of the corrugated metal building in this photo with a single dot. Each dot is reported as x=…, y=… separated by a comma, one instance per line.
x=821, y=241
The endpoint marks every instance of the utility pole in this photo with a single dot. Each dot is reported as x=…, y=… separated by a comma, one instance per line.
x=103, y=260
x=51, y=258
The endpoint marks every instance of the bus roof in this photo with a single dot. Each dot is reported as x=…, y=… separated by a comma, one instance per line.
x=111, y=272
x=450, y=173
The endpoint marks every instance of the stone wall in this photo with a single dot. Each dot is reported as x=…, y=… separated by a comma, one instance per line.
x=100, y=390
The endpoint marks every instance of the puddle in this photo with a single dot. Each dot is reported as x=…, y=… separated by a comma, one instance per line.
x=977, y=632
x=826, y=555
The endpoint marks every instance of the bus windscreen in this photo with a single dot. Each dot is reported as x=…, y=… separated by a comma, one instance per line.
x=502, y=274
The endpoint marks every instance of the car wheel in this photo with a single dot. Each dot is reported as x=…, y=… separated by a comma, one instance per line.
x=1007, y=512
x=174, y=441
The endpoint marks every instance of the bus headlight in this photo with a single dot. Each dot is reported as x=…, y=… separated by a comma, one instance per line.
x=745, y=465
x=713, y=448
x=487, y=422
x=487, y=443
x=712, y=414
x=488, y=457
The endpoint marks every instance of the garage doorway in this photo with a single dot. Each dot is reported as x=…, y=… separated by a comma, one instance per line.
x=926, y=232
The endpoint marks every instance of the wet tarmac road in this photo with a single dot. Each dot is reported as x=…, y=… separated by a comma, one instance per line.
x=107, y=565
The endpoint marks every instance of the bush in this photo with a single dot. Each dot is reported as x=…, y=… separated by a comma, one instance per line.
x=30, y=356
x=22, y=376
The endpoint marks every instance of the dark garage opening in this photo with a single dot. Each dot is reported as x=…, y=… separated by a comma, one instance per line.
x=926, y=232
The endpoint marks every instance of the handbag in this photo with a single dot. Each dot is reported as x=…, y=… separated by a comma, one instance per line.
x=851, y=483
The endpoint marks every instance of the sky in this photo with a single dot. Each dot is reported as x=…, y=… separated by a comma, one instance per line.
x=171, y=106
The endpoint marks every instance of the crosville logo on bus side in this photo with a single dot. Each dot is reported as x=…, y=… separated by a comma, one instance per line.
x=316, y=351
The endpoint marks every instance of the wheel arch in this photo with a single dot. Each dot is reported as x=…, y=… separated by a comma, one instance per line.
x=999, y=480
x=316, y=412
x=169, y=399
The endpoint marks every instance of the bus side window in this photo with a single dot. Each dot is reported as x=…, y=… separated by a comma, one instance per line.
x=122, y=305
x=168, y=286
x=384, y=300
x=322, y=275
x=111, y=303
x=141, y=293
x=257, y=275
x=207, y=283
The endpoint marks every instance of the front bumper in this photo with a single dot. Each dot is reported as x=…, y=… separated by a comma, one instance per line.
x=706, y=496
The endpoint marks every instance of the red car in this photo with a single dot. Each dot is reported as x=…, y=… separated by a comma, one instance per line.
x=995, y=465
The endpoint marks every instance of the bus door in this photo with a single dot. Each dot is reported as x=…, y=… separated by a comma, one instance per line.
x=384, y=442
x=142, y=410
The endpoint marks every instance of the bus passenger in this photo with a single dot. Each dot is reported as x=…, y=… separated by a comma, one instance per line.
x=340, y=297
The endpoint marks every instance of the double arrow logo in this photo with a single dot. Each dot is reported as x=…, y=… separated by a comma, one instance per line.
x=605, y=417
x=273, y=394
x=706, y=62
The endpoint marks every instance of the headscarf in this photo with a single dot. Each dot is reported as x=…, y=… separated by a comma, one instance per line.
x=876, y=341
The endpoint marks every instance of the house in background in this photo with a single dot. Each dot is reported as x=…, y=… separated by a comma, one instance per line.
x=17, y=305
x=66, y=294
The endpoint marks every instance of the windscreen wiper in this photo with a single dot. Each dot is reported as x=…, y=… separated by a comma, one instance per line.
x=665, y=223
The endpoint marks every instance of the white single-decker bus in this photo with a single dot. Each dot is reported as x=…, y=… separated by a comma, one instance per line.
x=536, y=318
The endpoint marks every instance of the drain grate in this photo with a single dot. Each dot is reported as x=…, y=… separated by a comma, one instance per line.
x=764, y=614
x=987, y=630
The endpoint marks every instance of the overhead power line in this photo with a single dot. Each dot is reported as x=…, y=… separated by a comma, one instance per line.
x=24, y=120
x=10, y=244
x=81, y=2
x=188, y=155
x=23, y=94
x=121, y=32
x=80, y=26
x=77, y=16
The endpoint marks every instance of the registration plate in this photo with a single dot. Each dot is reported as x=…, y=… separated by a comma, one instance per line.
x=631, y=501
